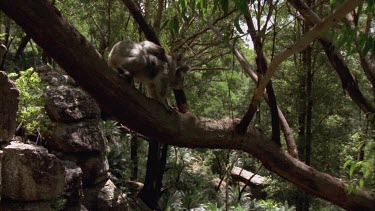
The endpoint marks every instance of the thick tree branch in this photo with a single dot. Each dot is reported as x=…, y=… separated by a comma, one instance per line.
x=45, y=25
x=338, y=63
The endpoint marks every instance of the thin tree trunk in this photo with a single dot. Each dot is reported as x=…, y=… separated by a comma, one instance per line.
x=134, y=157
x=21, y=47
x=6, y=42
x=156, y=161
x=158, y=16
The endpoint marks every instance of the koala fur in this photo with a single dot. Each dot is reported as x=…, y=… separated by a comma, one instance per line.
x=149, y=63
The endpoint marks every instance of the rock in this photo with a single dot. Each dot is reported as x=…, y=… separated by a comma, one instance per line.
x=24, y=206
x=105, y=196
x=54, y=77
x=73, y=180
x=67, y=104
x=94, y=166
x=8, y=107
x=95, y=169
x=30, y=173
x=78, y=137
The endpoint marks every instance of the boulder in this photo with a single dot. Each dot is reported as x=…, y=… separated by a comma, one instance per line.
x=8, y=107
x=30, y=173
x=73, y=180
x=54, y=77
x=85, y=136
x=67, y=104
x=94, y=166
x=105, y=196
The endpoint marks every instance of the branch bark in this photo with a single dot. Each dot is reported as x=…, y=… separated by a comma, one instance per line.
x=46, y=26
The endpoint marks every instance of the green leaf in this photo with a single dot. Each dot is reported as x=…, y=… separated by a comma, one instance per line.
x=366, y=172
x=352, y=168
x=174, y=26
x=347, y=163
x=224, y=5
x=361, y=183
x=203, y=5
x=237, y=25
x=242, y=6
x=368, y=46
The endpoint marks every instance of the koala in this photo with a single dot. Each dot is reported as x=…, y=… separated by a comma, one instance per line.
x=149, y=63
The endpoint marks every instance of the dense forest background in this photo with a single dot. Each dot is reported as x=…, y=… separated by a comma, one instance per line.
x=318, y=106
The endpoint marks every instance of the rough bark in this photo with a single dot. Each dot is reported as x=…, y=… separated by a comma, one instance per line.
x=74, y=53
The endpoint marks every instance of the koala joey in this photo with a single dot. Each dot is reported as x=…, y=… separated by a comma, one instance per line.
x=149, y=63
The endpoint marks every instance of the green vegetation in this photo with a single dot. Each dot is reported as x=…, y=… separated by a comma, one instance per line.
x=31, y=113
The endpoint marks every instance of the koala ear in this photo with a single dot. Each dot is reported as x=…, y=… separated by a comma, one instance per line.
x=178, y=57
x=184, y=69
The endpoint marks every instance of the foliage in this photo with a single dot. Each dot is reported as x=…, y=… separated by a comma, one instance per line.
x=31, y=111
x=58, y=204
x=359, y=170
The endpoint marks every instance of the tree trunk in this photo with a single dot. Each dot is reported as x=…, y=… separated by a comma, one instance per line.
x=156, y=161
x=45, y=25
x=6, y=42
x=134, y=157
x=21, y=47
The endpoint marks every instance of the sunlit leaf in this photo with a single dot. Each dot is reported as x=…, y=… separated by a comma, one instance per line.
x=361, y=183
x=352, y=168
x=237, y=25
x=347, y=163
